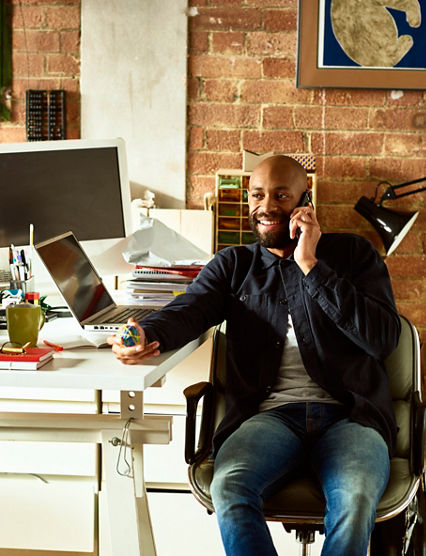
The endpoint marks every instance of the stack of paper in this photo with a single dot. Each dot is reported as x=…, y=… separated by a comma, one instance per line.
x=157, y=286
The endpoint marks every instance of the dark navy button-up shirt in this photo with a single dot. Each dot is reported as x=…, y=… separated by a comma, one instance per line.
x=343, y=314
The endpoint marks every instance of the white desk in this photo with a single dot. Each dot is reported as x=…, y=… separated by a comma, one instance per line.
x=97, y=369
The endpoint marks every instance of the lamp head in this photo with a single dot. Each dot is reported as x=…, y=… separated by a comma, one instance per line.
x=392, y=226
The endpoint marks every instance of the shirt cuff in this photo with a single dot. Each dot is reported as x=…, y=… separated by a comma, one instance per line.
x=317, y=277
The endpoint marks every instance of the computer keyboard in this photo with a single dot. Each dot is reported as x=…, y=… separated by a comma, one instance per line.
x=5, y=275
x=137, y=314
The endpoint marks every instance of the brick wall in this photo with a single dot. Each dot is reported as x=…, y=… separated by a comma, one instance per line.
x=45, y=55
x=242, y=95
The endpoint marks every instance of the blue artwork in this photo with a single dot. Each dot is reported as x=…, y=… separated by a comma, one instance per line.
x=373, y=34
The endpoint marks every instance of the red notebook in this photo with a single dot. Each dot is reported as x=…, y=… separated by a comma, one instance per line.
x=32, y=359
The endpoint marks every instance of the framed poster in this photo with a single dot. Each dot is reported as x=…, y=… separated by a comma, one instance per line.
x=362, y=43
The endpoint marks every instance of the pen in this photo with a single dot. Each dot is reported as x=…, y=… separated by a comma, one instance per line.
x=54, y=346
x=11, y=265
x=30, y=265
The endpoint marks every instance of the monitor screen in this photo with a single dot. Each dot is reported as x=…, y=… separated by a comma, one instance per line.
x=59, y=186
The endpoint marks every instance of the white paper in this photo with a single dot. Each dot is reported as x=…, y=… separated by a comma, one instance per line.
x=155, y=244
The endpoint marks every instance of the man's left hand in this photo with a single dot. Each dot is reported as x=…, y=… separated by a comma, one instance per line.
x=303, y=222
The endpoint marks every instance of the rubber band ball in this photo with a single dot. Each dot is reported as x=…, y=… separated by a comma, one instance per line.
x=129, y=335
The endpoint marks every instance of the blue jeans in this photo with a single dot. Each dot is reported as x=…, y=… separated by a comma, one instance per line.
x=350, y=460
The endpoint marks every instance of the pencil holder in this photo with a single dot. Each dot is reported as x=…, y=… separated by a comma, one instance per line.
x=24, y=285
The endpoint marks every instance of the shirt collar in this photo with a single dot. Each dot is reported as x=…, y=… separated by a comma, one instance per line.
x=269, y=259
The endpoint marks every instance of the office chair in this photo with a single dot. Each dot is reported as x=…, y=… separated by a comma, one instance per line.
x=401, y=513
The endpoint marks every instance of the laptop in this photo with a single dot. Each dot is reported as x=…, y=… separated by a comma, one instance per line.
x=82, y=288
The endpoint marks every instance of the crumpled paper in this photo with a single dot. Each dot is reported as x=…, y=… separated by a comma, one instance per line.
x=155, y=244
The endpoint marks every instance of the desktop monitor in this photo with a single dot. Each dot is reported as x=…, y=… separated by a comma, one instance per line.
x=60, y=186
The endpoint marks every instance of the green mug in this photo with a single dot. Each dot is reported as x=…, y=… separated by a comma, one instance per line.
x=24, y=321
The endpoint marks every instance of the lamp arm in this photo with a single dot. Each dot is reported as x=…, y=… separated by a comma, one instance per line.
x=390, y=191
x=410, y=193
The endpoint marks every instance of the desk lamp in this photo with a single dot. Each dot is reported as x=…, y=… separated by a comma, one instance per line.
x=392, y=226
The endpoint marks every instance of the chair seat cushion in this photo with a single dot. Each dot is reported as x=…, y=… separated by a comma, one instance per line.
x=302, y=497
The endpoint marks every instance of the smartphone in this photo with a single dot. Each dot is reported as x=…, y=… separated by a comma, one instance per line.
x=305, y=200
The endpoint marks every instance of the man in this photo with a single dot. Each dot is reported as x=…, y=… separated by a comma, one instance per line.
x=310, y=318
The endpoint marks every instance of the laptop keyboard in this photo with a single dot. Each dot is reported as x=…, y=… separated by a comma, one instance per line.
x=125, y=314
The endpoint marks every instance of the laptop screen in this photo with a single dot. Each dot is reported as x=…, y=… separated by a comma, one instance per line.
x=74, y=275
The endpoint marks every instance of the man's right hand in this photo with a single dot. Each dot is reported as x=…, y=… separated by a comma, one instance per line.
x=137, y=353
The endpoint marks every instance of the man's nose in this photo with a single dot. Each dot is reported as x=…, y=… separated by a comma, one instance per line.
x=268, y=203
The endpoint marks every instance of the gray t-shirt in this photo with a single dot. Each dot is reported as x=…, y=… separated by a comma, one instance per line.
x=293, y=383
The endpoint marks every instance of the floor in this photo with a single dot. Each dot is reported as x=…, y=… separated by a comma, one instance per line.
x=179, y=517
x=182, y=527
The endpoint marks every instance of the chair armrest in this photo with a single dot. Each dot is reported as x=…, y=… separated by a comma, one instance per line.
x=193, y=395
x=419, y=435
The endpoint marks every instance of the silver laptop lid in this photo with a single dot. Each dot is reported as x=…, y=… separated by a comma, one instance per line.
x=76, y=278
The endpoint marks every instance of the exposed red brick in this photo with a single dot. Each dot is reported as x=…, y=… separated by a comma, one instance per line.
x=348, y=143
x=198, y=41
x=275, y=44
x=411, y=244
x=310, y=117
x=403, y=144
x=397, y=170
x=18, y=113
x=223, y=140
x=221, y=66
x=198, y=186
x=35, y=41
x=276, y=141
x=406, y=266
x=274, y=3
x=409, y=290
x=226, y=19
x=228, y=42
x=64, y=64
x=277, y=117
x=194, y=88
x=221, y=90
x=196, y=138
x=338, y=217
x=21, y=84
x=209, y=163
x=27, y=16
x=223, y=115
x=408, y=98
x=392, y=119
x=352, y=97
x=416, y=313
x=197, y=3
x=70, y=41
x=276, y=91
x=27, y=64
x=69, y=84
x=339, y=191
x=62, y=17
x=345, y=167
x=280, y=20
x=279, y=67
x=346, y=118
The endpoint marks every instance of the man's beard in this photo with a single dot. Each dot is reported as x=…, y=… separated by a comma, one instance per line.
x=274, y=239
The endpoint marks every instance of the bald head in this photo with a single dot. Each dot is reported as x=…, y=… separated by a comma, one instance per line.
x=280, y=170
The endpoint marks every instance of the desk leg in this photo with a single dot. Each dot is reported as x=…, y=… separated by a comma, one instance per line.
x=127, y=506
